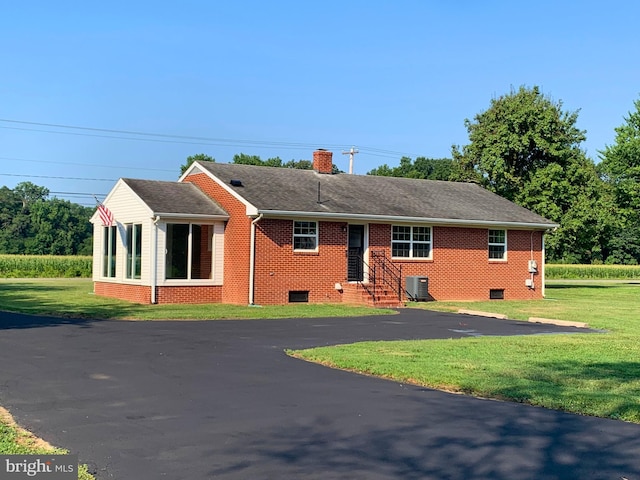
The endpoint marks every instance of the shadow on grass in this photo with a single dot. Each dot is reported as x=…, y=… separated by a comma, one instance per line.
x=26, y=305
x=564, y=286
x=480, y=441
x=585, y=386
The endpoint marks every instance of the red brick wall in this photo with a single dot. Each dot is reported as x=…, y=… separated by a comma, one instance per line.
x=279, y=269
x=189, y=294
x=461, y=269
x=177, y=294
x=237, y=236
x=132, y=293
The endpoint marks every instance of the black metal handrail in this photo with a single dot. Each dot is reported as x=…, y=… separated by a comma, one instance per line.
x=381, y=271
x=391, y=274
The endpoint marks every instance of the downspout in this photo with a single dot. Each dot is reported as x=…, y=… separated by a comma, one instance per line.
x=543, y=264
x=252, y=257
x=154, y=259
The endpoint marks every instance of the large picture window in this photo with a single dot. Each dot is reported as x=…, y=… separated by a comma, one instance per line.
x=109, y=242
x=134, y=250
x=497, y=244
x=189, y=252
x=410, y=241
x=305, y=235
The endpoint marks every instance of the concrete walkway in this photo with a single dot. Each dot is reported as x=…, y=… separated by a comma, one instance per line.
x=199, y=400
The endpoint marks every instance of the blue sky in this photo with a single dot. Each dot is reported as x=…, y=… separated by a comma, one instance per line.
x=282, y=78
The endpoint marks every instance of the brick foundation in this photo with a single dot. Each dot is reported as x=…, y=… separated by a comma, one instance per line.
x=177, y=294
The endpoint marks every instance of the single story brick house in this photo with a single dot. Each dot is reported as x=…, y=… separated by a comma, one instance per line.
x=244, y=234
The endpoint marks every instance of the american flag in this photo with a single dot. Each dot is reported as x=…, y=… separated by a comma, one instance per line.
x=106, y=215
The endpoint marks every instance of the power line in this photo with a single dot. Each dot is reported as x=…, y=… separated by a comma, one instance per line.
x=59, y=178
x=79, y=194
x=151, y=134
x=179, y=139
x=77, y=164
x=192, y=140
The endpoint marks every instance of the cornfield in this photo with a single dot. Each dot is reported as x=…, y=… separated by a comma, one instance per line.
x=592, y=272
x=50, y=266
x=45, y=266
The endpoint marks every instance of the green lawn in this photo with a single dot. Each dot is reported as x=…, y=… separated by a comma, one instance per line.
x=592, y=374
x=74, y=298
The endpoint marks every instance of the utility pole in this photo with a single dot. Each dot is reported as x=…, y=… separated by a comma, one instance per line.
x=351, y=153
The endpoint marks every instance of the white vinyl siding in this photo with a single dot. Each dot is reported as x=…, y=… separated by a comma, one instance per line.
x=127, y=209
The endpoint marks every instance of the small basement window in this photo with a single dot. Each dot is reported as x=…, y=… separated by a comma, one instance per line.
x=299, y=296
x=496, y=294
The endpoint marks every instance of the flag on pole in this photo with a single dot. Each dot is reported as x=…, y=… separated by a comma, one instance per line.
x=106, y=215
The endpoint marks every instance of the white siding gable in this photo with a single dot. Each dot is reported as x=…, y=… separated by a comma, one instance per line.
x=127, y=208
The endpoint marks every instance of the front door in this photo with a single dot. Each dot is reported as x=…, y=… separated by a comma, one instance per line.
x=355, y=254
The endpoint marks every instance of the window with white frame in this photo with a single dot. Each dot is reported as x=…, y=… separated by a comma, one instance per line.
x=109, y=243
x=305, y=235
x=497, y=244
x=134, y=250
x=189, y=254
x=410, y=241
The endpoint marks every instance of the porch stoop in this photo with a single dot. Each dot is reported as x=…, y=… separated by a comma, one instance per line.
x=355, y=293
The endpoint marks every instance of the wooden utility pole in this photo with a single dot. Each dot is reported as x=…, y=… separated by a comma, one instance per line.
x=351, y=153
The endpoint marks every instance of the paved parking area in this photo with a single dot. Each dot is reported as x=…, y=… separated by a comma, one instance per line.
x=196, y=400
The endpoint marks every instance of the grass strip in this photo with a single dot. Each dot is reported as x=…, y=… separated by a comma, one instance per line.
x=590, y=374
x=15, y=440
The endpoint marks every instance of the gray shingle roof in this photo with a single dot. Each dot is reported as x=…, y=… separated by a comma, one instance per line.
x=285, y=189
x=174, y=197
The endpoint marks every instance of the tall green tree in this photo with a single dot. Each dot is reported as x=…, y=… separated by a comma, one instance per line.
x=423, y=167
x=620, y=169
x=14, y=222
x=198, y=157
x=525, y=148
x=30, y=223
x=59, y=227
x=30, y=192
x=519, y=134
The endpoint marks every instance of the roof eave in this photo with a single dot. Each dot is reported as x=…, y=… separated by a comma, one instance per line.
x=396, y=218
x=195, y=216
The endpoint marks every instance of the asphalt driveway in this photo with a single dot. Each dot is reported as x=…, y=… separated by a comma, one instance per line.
x=198, y=400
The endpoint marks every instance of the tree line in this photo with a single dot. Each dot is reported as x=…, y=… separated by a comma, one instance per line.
x=33, y=224
x=524, y=147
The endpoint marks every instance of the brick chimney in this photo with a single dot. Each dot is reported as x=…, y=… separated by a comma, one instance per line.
x=322, y=162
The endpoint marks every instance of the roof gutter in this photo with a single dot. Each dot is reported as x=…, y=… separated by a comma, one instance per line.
x=395, y=218
x=252, y=258
x=195, y=216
